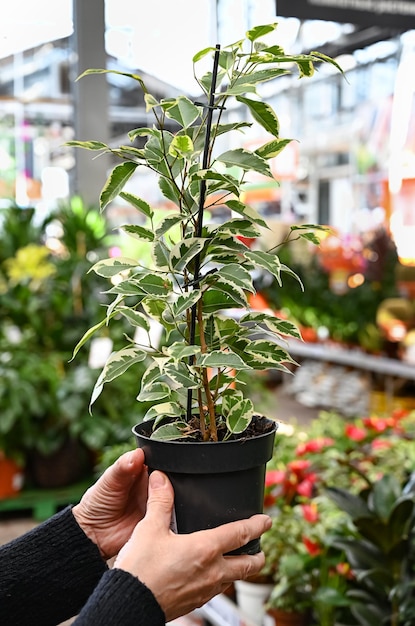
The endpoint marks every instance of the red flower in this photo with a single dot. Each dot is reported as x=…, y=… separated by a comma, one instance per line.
x=398, y=414
x=314, y=445
x=344, y=569
x=306, y=486
x=378, y=424
x=298, y=465
x=355, y=433
x=269, y=500
x=381, y=444
x=295, y=480
x=310, y=512
x=274, y=477
x=313, y=547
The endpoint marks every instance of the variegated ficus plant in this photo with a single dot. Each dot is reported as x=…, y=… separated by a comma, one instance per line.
x=201, y=272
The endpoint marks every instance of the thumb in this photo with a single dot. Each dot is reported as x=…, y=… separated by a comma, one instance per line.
x=160, y=498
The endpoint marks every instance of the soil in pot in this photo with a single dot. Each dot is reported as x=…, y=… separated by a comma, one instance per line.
x=214, y=482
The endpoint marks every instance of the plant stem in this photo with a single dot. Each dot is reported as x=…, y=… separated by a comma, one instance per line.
x=212, y=430
x=202, y=196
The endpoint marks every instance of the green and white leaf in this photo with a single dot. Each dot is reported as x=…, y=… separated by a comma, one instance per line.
x=107, y=268
x=154, y=393
x=240, y=416
x=168, y=409
x=267, y=354
x=182, y=110
x=88, y=145
x=246, y=160
x=136, y=318
x=184, y=251
x=181, y=375
x=138, y=232
x=138, y=203
x=155, y=285
x=264, y=114
x=247, y=212
x=235, y=276
x=116, y=364
x=87, y=336
x=116, y=182
x=272, y=148
x=181, y=147
x=185, y=301
x=266, y=261
x=275, y=325
x=169, y=222
x=180, y=350
x=160, y=254
x=238, y=226
x=170, y=432
x=218, y=358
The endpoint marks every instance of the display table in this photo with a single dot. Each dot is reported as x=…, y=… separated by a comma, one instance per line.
x=43, y=503
x=389, y=368
x=390, y=374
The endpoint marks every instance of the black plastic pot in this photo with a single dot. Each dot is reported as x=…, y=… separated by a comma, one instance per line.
x=214, y=483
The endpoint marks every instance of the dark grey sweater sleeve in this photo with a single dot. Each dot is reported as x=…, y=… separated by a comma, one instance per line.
x=51, y=572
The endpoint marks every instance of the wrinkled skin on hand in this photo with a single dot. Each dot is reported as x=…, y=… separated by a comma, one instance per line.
x=185, y=571
x=127, y=513
x=109, y=510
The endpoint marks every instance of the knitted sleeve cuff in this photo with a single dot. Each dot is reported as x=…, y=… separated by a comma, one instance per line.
x=120, y=599
x=49, y=572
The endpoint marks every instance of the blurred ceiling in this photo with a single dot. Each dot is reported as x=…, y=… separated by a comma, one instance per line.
x=371, y=20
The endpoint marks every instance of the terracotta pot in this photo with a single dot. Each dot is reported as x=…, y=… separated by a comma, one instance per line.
x=288, y=618
x=11, y=477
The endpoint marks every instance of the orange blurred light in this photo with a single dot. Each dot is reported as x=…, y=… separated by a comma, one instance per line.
x=355, y=280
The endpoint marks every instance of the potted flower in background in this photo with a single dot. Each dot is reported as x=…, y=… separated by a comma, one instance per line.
x=197, y=286
x=44, y=305
x=342, y=499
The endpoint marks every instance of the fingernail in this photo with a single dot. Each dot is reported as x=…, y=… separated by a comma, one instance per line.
x=157, y=480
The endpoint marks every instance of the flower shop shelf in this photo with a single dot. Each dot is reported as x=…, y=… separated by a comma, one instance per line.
x=389, y=368
x=43, y=503
x=390, y=374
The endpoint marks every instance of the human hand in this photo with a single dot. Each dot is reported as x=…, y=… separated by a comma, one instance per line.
x=109, y=510
x=185, y=571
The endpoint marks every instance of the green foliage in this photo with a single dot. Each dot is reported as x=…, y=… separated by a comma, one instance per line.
x=200, y=271
x=46, y=300
x=381, y=553
x=349, y=317
x=342, y=496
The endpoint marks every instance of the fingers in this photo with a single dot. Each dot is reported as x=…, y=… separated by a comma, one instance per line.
x=242, y=567
x=126, y=467
x=160, y=499
x=130, y=462
x=231, y=536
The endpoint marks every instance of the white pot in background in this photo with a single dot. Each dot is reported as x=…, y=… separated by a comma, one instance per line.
x=251, y=599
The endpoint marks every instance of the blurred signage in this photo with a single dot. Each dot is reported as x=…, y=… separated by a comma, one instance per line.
x=399, y=14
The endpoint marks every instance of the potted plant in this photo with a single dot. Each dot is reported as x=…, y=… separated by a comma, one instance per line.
x=198, y=284
x=342, y=498
x=44, y=305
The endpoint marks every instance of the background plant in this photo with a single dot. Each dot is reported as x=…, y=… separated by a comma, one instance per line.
x=45, y=302
x=352, y=549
